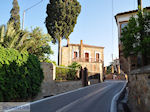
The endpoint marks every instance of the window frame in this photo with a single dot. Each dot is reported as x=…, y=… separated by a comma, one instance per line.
x=89, y=55
x=120, y=23
x=99, y=56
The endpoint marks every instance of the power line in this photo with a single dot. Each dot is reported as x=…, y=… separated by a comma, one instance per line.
x=33, y=5
x=27, y=10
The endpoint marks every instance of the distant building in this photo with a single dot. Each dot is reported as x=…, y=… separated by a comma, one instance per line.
x=88, y=56
x=126, y=64
x=116, y=66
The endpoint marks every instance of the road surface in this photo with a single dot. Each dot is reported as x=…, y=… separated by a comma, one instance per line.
x=95, y=98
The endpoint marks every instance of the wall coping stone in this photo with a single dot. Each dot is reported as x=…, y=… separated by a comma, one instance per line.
x=143, y=70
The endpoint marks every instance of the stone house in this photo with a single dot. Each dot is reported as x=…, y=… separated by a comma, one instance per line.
x=126, y=64
x=88, y=56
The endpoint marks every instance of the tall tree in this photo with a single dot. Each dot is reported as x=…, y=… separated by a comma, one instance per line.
x=15, y=17
x=61, y=19
x=41, y=43
x=136, y=37
x=9, y=38
x=34, y=42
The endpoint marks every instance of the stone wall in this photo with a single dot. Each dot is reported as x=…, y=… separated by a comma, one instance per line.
x=51, y=87
x=139, y=90
x=61, y=87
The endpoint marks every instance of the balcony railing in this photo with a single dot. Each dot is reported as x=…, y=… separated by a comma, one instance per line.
x=92, y=60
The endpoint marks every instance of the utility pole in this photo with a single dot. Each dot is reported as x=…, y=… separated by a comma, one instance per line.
x=140, y=4
x=27, y=10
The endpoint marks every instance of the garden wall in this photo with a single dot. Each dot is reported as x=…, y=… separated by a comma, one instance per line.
x=139, y=90
x=51, y=87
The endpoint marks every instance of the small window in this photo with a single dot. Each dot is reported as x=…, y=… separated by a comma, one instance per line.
x=87, y=57
x=97, y=57
x=75, y=54
x=122, y=25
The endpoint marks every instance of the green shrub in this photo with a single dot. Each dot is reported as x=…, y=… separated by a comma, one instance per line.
x=67, y=73
x=61, y=73
x=20, y=75
x=71, y=75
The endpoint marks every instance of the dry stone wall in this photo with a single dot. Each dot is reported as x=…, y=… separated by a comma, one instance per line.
x=139, y=90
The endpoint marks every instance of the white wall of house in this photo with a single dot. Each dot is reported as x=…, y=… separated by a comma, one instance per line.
x=121, y=19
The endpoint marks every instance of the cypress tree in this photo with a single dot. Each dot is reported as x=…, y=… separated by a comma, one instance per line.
x=15, y=17
x=61, y=19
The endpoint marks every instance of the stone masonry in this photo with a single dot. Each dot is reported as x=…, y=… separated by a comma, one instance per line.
x=88, y=56
x=139, y=90
x=52, y=87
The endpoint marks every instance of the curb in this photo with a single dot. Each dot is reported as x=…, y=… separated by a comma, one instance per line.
x=115, y=99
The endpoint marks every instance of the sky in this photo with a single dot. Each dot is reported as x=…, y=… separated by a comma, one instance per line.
x=95, y=25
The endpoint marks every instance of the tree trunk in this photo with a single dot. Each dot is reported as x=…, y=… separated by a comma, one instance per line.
x=59, y=52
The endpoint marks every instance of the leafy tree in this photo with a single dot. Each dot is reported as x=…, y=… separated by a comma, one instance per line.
x=109, y=69
x=35, y=42
x=40, y=46
x=49, y=61
x=129, y=37
x=15, y=17
x=9, y=38
x=136, y=37
x=61, y=19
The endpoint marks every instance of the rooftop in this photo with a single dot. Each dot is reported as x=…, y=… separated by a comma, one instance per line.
x=81, y=43
x=129, y=12
x=85, y=45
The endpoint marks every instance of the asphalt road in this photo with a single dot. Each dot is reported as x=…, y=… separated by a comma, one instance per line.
x=95, y=98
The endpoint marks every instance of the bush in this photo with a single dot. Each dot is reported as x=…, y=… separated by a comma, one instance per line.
x=67, y=73
x=20, y=75
x=71, y=75
x=61, y=73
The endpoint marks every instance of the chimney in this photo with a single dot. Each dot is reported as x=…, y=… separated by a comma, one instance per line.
x=68, y=41
x=81, y=42
x=140, y=4
x=81, y=49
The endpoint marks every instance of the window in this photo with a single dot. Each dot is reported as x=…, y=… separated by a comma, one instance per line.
x=97, y=57
x=75, y=54
x=122, y=25
x=87, y=57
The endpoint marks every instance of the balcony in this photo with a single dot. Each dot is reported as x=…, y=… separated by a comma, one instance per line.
x=91, y=60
